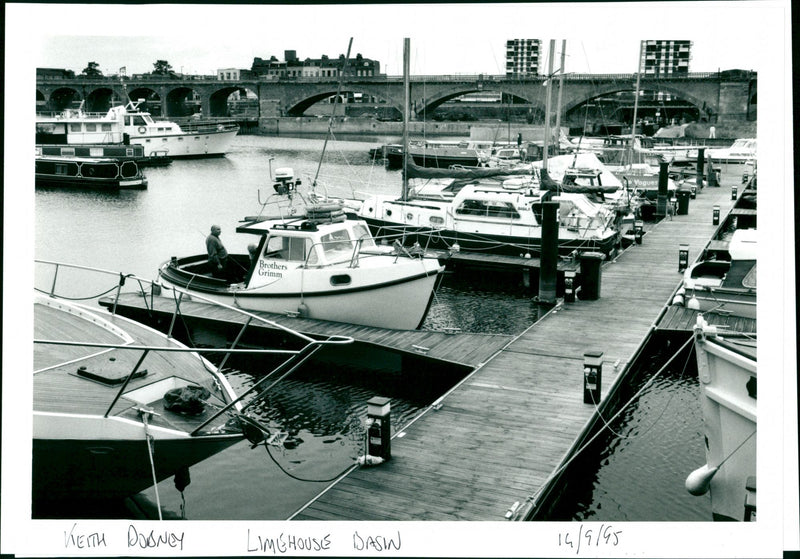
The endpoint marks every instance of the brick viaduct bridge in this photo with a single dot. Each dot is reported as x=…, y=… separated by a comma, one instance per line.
x=727, y=96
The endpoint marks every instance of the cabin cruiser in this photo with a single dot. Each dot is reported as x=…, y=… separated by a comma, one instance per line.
x=743, y=150
x=311, y=261
x=497, y=211
x=126, y=124
x=725, y=281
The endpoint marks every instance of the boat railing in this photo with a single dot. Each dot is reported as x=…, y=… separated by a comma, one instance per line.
x=149, y=288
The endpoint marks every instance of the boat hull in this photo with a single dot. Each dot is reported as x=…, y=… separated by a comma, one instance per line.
x=187, y=145
x=111, y=468
x=397, y=301
x=489, y=243
x=728, y=401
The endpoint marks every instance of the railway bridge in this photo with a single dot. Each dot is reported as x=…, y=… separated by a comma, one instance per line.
x=727, y=96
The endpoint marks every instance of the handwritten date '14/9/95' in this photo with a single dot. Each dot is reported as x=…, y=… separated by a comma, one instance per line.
x=605, y=535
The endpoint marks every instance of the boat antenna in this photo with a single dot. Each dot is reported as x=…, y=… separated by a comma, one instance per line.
x=333, y=112
x=406, y=49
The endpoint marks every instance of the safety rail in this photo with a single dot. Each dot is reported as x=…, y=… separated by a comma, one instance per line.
x=156, y=289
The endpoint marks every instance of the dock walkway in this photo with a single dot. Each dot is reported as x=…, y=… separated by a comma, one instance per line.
x=466, y=349
x=496, y=437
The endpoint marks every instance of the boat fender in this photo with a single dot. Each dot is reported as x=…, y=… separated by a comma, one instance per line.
x=303, y=310
x=678, y=300
x=182, y=479
x=142, y=130
x=188, y=400
x=368, y=460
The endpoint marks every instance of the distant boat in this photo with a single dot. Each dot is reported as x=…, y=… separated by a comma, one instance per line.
x=120, y=152
x=88, y=173
x=312, y=261
x=727, y=368
x=127, y=124
x=743, y=150
x=440, y=154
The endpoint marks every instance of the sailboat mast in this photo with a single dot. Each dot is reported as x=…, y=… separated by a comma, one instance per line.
x=560, y=91
x=406, y=108
x=547, y=105
x=635, y=103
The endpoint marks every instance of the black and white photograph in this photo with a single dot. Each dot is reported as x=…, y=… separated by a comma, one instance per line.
x=413, y=279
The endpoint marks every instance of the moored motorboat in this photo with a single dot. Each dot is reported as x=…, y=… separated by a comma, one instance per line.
x=726, y=281
x=105, y=390
x=727, y=367
x=743, y=150
x=88, y=173
x=312, y=261
x=118, y=406
x=494, y=211
x=127, y=124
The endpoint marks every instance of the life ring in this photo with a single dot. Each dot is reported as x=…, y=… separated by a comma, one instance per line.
x=142, y=130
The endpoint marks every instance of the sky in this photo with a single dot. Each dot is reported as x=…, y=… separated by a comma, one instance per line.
x=445, y=38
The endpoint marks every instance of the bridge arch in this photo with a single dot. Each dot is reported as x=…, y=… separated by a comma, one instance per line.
x=430, y=103
x=300, y=105
x=705, y=107
x=62, y=98
x=181, y=101
x=152, y=99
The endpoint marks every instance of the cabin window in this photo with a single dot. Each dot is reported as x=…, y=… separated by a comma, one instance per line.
x=139, y=121
x=95, y=152
x=335, y=243
x=91, y=127
x=286, y=248
x=61, y=169
x=362, y=232
x=161, y=129
x=75, y=127
x=180, y=138
x=105, y=127
x=488, y=208
x=129, y=152
x=68, y=151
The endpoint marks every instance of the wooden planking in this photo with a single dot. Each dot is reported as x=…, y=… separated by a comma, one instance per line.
x=496, y=438
x=461, y=348
x=683, y=319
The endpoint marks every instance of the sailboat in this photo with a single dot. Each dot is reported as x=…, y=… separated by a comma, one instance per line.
x=497, y=211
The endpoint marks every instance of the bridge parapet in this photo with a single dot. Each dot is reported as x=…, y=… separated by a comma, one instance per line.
x=714, y=93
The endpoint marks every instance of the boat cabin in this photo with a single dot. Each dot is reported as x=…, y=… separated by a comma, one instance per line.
x=305, y=242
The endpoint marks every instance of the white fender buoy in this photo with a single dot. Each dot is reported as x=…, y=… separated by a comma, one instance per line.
x=693, y=303
x=698, y=481
x=303, y=310
x=677, y=300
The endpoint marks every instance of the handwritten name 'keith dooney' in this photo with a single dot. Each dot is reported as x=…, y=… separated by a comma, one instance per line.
x=267, y=269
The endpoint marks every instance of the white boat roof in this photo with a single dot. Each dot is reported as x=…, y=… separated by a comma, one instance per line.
x=744, y=244
x=295, y=227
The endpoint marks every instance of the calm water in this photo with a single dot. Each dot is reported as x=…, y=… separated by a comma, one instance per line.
x=636, y=476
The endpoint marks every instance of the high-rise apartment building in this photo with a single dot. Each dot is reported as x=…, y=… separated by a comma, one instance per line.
x=522, y=57
x=662, y=58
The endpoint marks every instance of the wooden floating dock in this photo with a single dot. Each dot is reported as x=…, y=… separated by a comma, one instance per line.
x=466, y=349
x=496, y=438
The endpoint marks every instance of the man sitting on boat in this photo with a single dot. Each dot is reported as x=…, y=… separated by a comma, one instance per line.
x=217, y=255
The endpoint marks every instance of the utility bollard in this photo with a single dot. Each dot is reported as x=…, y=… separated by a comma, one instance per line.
x=716, y=215
x=734, y=192
x=379, y=428
x=683, y=257
x=592, y=376
x=569, y=286
x=638, y=231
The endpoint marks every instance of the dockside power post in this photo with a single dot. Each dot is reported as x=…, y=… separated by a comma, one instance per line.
x=379, y=428
x=683, y=257
x=701, y=159
x=715, y=219
x=592, y=376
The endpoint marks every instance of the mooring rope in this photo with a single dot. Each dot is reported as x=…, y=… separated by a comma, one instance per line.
x=150, y=453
